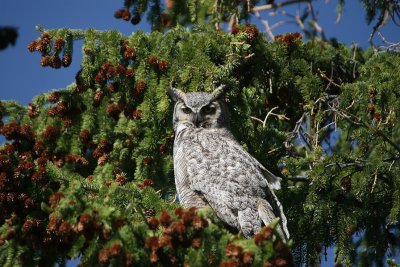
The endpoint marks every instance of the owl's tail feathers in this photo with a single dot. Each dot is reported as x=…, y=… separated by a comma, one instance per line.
x=267, y=215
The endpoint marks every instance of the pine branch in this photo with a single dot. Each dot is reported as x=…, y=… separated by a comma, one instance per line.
x=78, y=34
x=138, y=205
x=347, y=164
x=356, y=121
x=303, y=179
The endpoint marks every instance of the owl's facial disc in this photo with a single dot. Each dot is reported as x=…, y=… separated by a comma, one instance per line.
x=202, y=116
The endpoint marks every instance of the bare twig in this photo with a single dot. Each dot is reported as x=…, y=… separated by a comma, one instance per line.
x=270, y=85
x=298, y=21
x=266, y=117
x=326, y=126
x=392, y=47
x=391, y=165
x=351, y=104
x=377, y=25
x=314, y=22
x=354, y=59
x=326, y=98
x=273, y=150
x=278, y=24
x=384, y=39
x=375, y=180
x=249, y=56
x=323, y=75
x=268, y=29
x=296, y=130
x=257, y=119
x=264, y=122
x=339, y=14
x=278, y=5
x=316, y=135
x=358, y=163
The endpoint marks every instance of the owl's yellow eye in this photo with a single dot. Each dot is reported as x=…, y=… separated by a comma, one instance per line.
x=208, y=109
x=186, y=110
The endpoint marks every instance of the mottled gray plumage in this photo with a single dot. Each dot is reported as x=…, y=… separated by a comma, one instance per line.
x=212, y=168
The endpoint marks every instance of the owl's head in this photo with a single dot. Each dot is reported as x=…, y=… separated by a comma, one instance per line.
x=199, y=109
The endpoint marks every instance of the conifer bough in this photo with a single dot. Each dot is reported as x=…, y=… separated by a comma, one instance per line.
x=86, y=171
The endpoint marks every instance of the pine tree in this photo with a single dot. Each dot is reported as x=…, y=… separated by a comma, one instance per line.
x=87, y=171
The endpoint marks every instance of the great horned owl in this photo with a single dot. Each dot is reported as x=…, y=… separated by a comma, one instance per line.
x=212, y=169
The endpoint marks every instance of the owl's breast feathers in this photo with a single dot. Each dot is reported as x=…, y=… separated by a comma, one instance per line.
x=212, y=168
x=216, y=162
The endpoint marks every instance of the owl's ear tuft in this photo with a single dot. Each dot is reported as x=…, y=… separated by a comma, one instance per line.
x=219, y=92
x=176, y=94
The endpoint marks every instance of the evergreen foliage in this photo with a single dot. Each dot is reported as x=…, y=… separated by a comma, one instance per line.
x=169, y=13
x=87, y=171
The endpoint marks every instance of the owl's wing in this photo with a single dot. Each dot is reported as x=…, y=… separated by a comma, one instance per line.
x=273, y=181
x=229, y=178
x=187, y=196
x=267, y=215
x=270, y=207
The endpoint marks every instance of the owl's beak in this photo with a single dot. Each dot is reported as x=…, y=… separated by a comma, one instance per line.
x=197, y=119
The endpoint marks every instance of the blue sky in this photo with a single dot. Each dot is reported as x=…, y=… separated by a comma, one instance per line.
x=22, y=77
